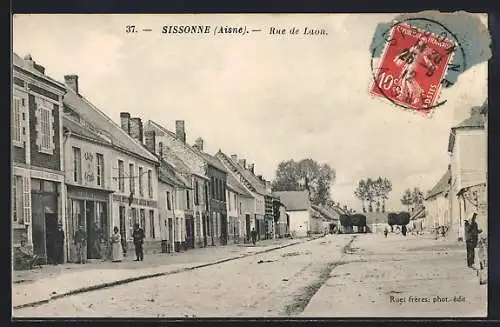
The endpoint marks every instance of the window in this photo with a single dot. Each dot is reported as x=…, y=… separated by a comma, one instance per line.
x=17, y=121
x=100, y=169
x=240, y=208
x=212, y=183
x=77, y=165
x=229, y=203
x=150, y=183
x=17, y=200
x=196, y=193
x=235, y=202
x=44, y=122
x=206, y=197
x=121, y=177
x=131, y=178
x=141, y=189
x=187, y=200
x=169, y=204
x=142, y=218
x=219, y=189
x=152, y=223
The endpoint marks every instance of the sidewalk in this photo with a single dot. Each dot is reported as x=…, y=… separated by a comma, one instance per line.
x=50, y=282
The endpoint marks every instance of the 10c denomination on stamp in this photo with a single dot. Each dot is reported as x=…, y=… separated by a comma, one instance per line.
x=412, y=67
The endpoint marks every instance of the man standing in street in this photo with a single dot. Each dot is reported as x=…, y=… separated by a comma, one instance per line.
x=80, y=243
x=138, y=236
x=471, y=237
x=254, y=235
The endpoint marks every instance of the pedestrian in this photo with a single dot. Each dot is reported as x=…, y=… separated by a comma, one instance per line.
x=138, y=237
x=403, y=230
x=80, y=243
x=253, y=234
x=116, y=246
x=59, y=245
x=471, y=237
x=386, y=231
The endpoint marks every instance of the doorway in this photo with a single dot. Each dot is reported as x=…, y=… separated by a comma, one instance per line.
x=223, y=239
x=170, y=234
x=123, y=229
x=204, y=220
x=51, y=237
x=190, y=233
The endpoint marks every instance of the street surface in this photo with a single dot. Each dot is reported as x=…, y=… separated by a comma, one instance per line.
x=363, y=275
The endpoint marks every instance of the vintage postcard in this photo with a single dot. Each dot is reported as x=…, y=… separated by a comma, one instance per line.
x=250, y=165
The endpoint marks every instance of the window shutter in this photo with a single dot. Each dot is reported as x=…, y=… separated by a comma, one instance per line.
x=27, y=200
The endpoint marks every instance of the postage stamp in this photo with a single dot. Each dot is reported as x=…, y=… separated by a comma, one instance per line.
x=412, y=67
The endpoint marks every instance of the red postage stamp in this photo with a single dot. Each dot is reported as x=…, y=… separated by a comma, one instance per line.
x=412, y=67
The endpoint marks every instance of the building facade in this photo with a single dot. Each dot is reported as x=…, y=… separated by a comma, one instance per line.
x=298, y=208
x=121, y=165
x=467, y=148
x=193, y=210
x=437, y=204
x=38, y=193
x=238, y=202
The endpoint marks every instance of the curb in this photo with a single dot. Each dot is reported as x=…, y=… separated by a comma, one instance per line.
x=142, y=277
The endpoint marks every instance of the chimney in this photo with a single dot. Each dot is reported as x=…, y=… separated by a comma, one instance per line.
x=199, y=143
x=136, y=129
x=180, y=131
x=251, y=167
x=71, y=81
x=150, y=141
x=268, y=186
x=29, y=60
x=39, y=68
x=243, y=163
x=234, y=157
x=259, y=177
x=125, y=121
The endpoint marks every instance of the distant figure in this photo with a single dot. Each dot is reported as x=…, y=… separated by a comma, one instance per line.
x=253, y=234
x=138, y=237
x=116, y=247
x=80, y=243
x=386, y=231
x=471, y=237
x=403, y=230
x=59, y=245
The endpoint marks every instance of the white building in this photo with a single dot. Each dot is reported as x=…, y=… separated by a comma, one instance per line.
x=238, y=202
x=298, y=208
x=467, y=148
x=112, y=180
x=437, y=204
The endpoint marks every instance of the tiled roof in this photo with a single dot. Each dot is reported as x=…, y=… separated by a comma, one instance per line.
x=211, y=160
x=235, y=185
x=441, y=186
x=324, y=212
x=171, y=158
x=81, y=130
x=94, y=116
x=253, y=180
x=294, y=200
x=167, y=174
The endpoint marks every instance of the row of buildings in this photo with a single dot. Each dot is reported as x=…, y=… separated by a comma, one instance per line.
x=73, y=167
x=462, y=189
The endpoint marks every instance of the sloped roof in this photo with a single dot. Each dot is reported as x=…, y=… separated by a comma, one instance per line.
x=419, y=213
x=96, y=117
x=441, y=186
x=172, y=159
x=235, y=185
x=167, y=174
x=211, y=160
x=294, y=200
x=475, y=120
x=324, y=212
x=21, y=63
x=81, y=130
x=253, y=180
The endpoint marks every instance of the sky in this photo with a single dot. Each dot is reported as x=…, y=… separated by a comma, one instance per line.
x=266, y=98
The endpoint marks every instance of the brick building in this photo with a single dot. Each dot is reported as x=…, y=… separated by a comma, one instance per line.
x=38, y=194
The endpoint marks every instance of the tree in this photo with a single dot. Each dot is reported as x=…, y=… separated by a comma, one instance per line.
x=305, y=174
x=407, y=198
x=372, y=191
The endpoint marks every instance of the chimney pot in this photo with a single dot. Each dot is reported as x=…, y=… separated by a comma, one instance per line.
x=251, y=167
x=71, y=82
x=180, y=130
x=234, y=157
x=199, y=143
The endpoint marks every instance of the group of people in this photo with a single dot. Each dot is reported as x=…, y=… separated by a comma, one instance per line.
x=403, y=230
x=117, y=248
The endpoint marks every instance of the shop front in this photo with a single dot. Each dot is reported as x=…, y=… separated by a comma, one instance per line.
x=88, y=209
